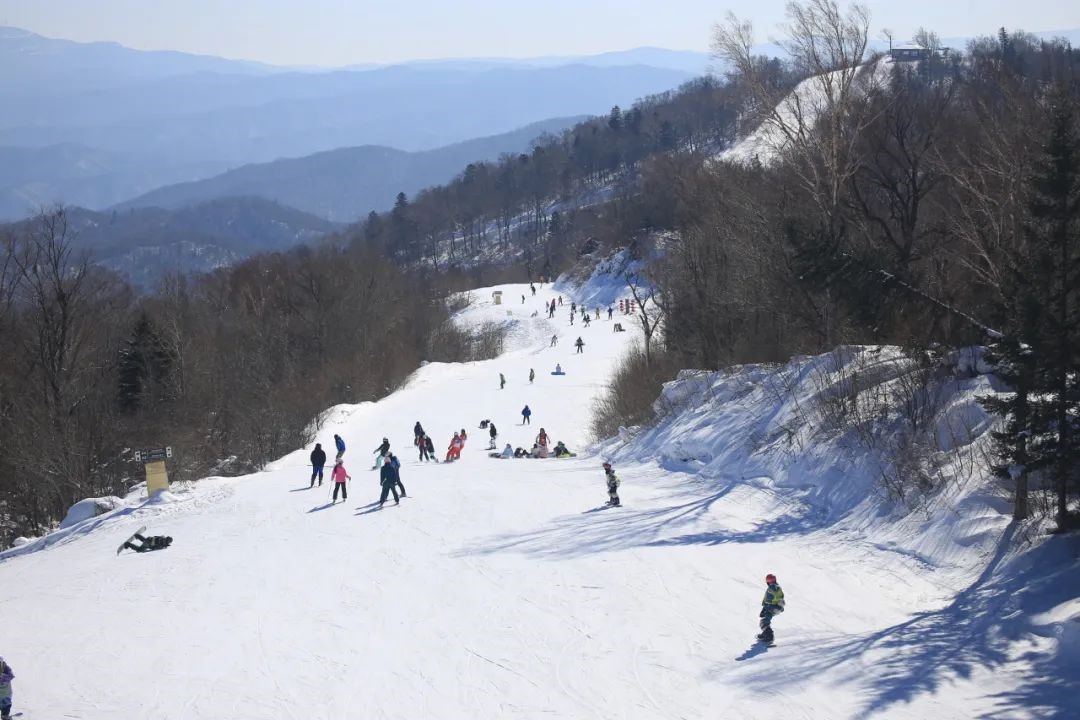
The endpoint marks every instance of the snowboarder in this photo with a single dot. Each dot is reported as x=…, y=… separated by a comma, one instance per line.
x=597, y=312
x=558, y=370
x=532, y=375
x=339, y=476
x=418, y=432
x=6, y=676
x=340, y=445
x=560, y=301
x=522, y=299
x=147, y=544
x=422, y=443
x=526, y=413
x=396, y=464
x=573, y=309
x=562, y=451
x=771, y=604
x=388, y=478
x=580, y=345
x=533, y=288
x=521, y=453
x=554, y=340
x=464, y=437
x=609, y=313
x=494, y=434
x=571, y=319
x=383, y=450
x=318, y=462
x=508, y=451
x=429, y=445
x=612, y=485
x=586, y=318
x=502, y=381
x=454, y=451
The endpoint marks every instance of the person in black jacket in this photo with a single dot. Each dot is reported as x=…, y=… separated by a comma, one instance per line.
x=318, y=462
x=418, y=432
x=430, y=446
x=384, y=448
x=388, y=478
x=494, y=434
x=422, y=443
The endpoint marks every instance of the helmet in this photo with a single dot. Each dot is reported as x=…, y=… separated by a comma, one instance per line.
x=607, y=466
x=385, y=440
x=770, y=578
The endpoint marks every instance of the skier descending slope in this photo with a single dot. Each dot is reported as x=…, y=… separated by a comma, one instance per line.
x=339, y=476
x=396, y=464
x=382, y=451
x=771, y=604
x=318, y=462
x=388, y=478
x=454, y=451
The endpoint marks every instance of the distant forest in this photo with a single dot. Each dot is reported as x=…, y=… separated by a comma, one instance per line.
x=920, y=211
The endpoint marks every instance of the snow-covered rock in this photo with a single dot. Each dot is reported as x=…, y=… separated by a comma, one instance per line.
x=89, y=508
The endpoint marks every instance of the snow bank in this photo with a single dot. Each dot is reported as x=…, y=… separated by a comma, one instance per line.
x=605, y=285
x=89, y=508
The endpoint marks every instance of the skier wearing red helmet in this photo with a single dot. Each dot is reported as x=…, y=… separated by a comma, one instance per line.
x=771, y=604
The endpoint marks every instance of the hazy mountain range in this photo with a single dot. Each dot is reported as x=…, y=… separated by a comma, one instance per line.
x=97, y=123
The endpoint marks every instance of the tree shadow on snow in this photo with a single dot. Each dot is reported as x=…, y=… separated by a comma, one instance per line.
x=979, y=630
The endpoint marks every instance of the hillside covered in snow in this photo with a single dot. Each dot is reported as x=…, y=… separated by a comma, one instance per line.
x=506, y=588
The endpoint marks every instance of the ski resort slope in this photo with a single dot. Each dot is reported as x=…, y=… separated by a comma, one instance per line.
x=497, y=589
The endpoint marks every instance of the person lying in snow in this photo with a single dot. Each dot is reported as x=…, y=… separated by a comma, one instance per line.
x=147, y=544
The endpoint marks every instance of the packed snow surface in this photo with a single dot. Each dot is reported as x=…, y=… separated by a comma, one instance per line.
x=504, y=588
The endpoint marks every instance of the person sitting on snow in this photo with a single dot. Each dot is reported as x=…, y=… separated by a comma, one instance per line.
x=6, y=676
x=561, y=450
x=508, y=451
x=558, y=370
x=521, y=453
x=771, y=604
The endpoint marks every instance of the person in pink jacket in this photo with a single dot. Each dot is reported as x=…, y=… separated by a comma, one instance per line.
x=339, y=476
x=454, y=451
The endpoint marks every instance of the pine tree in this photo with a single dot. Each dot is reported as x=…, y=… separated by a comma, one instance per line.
x=1053, y=234
x=143, y=368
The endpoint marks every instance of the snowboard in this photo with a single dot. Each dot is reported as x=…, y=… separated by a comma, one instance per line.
x=140, y=531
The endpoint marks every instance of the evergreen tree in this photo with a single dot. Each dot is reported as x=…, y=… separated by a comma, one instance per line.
x=143, y=367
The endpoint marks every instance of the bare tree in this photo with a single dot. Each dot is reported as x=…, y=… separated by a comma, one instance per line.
x=652, y=311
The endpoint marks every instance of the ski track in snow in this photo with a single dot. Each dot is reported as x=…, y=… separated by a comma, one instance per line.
x=492, y=591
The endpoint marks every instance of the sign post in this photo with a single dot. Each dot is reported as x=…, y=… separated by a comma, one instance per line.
x=157, y=477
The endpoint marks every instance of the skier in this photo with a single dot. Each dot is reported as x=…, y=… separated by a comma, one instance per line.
x=771, y=604
x=533, y=288
x=532, y=375
x=6, y=676
x=560, y=301
x=571, y=319
x=418, y=432
x=396, y=464
x=580, y=345
x=318, y=462
x=454, y=451
x=383, y=450
x=429, y=445
x=422, y=443
x=522, y=299
x=147, y=544
x=609, y=313
x=612, y=485
x=389, y=480
x=586, y=318
x=340, y=445
x=554, y=340
x=597, y=312
x=573, y=309
x=494, y=434
x=502, y=381
x=526, y=413
x=339, y=476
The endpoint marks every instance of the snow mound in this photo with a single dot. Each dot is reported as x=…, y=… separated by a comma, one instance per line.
x=89, y=508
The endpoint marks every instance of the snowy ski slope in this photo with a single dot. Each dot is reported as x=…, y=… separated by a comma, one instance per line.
x=500, y=589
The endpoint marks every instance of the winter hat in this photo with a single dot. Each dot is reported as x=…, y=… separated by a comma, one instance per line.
x=339, y=461
x=770, y=578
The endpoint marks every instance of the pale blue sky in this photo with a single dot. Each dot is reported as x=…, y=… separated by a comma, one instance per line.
x=340, y=32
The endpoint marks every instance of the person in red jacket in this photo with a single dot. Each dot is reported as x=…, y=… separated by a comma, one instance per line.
x=454, y=451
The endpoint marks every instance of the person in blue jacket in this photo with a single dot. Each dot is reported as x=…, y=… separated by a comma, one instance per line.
x=340, y=445
x=526, y=413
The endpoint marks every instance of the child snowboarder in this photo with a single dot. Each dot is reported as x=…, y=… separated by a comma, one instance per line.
x=6, y=676
x=771, y=604
x=562, y=451
x=318, y=462
x=340, y=445
x=612, y=485
x=339, y=476
x=580, y=344
x=430, y=446
x=382, y=451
